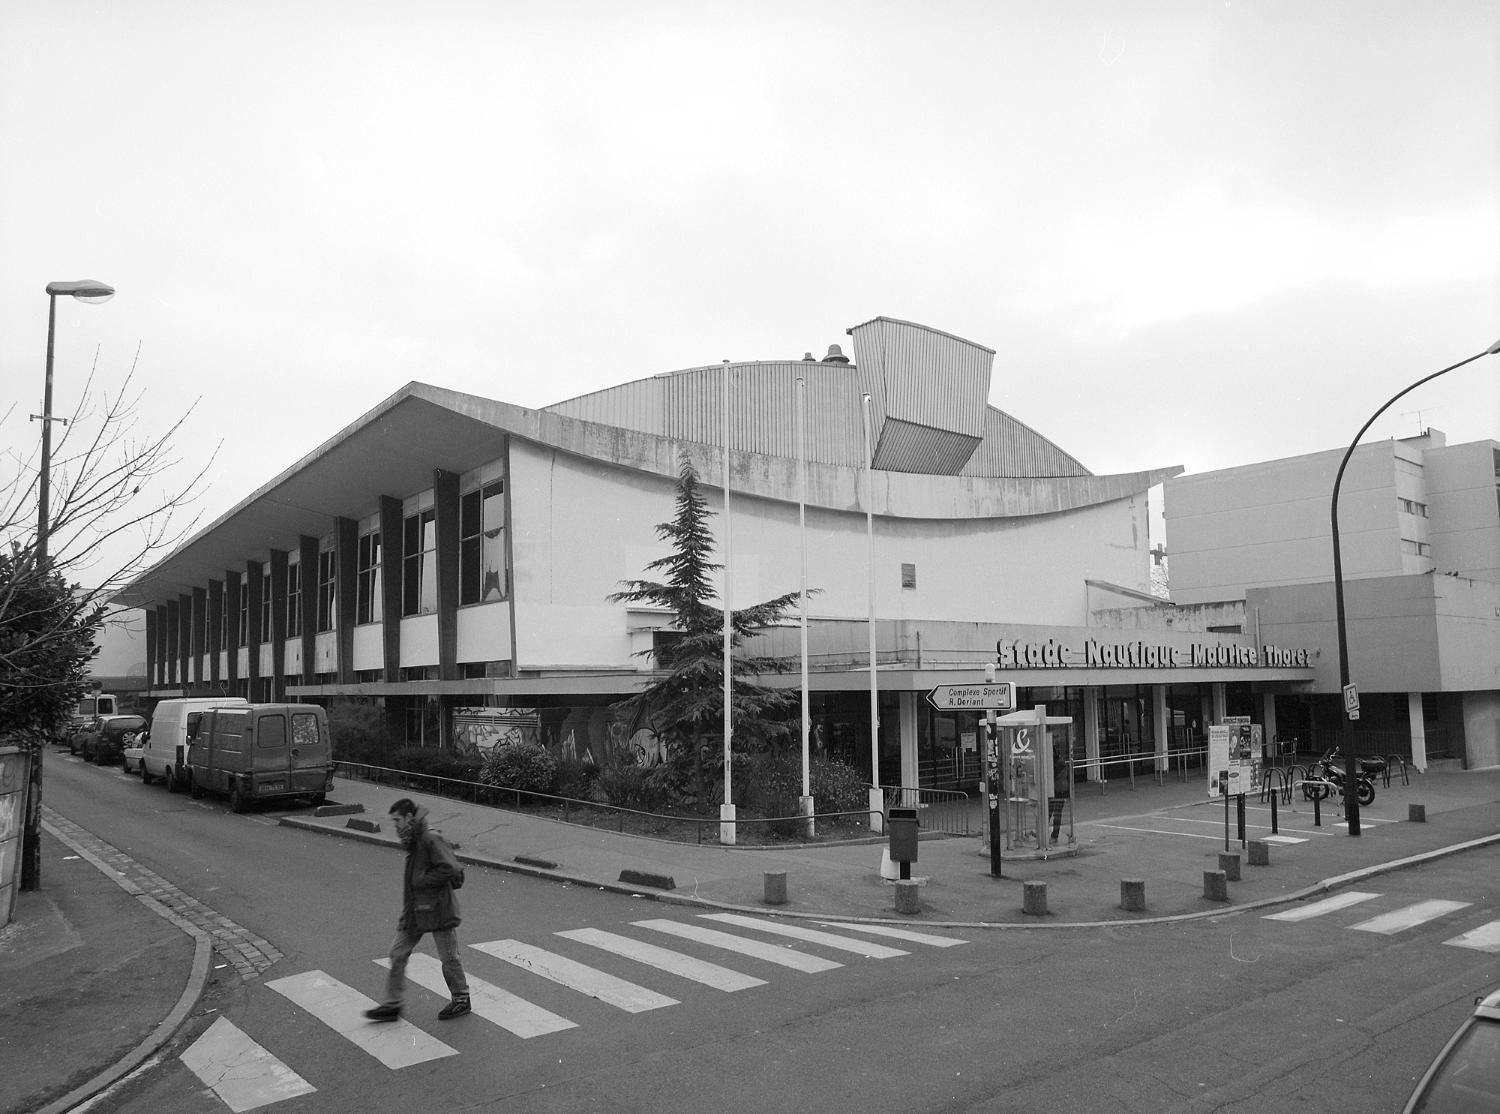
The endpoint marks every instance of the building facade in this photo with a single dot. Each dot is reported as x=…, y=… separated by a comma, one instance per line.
x=451, y=558
x=1419, y=539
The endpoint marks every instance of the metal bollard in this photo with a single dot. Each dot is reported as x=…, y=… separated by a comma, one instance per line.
x=775, y=887
x=1417, y=814
x=908, y=897
x=1229, y=863
x=1133, y=894
x=1215, y=887
x=1274, y=827
x=1260, y=853
x=1034, y=899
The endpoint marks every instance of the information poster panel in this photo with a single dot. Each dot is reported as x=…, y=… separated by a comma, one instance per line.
x=1234, y=757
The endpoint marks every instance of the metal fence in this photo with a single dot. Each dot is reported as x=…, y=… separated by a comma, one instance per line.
x=756, y=830
x=938, y=810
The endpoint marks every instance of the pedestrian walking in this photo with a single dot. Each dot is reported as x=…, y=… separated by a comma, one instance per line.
x=428, y=904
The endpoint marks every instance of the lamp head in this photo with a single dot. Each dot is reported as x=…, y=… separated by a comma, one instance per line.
x=85, y=290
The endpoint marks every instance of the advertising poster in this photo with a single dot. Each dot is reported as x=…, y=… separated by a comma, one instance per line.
x=1234, y=754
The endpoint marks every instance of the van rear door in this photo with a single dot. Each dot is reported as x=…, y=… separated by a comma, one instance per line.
x=291, y=751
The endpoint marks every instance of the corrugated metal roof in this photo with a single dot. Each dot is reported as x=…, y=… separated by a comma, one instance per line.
x=1012, y=448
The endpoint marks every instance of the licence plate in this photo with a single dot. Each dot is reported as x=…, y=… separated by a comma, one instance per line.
x=272, y=786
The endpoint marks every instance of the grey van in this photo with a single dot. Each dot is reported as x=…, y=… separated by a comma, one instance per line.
x=259, y=752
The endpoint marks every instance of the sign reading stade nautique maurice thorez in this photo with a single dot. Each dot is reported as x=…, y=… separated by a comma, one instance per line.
x=1139, y=653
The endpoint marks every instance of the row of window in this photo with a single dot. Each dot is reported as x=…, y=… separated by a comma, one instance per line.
x=481, y=571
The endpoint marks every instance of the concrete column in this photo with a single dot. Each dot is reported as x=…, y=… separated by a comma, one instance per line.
x=1162, y=727
x=1268, y=717
x=346, y=594
x=216, y=634
x=1091, y=734
x=907, y=719
x=1220, y=704
x=1418, y=726
x=390, y=585
x=255, y=580
x=277, y=635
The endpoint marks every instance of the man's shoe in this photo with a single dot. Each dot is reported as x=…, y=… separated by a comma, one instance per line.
x=456, y=1008
x=383, y=1013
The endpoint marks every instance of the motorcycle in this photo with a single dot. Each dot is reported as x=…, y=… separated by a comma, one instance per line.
x=1330, y=778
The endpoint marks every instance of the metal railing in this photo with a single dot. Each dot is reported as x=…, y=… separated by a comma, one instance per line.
x=593, y=814
x=940, y=810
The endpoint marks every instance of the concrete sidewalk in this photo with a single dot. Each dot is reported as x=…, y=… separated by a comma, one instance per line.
x=1165, y=836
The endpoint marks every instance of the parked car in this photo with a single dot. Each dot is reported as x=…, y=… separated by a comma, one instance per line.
x=1466, y=1074
x=258, y=752
x=173, y=723
x=107, y=741
x=131, y=757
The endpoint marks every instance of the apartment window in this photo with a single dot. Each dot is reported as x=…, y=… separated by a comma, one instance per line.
x=1496, y=453
x=244, y=611
x=481, y=532
x=224, y=605
x=294, y=599
x=908, y=575
x=1410, y=506
x=327, y=583
x=265, y=606
x=1421, y=549
x=208, y=628
x=419, y=564
x=368, y=607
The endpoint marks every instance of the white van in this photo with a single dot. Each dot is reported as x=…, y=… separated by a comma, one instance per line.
x=165, y=753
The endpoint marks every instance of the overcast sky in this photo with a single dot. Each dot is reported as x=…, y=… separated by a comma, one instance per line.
x=1197, y=233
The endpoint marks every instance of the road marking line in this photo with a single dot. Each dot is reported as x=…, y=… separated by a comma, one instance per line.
x=899, y=934
x=242, y=1073
x=756, y=949
x=1485, y=938
x=664, y=959
x=1389, y=924
x=1155, y=831
x=576, y=976
x=1284, y=839
x=396, y=1044
x=1318, y=908
x=495, y=1004
x=810, y=935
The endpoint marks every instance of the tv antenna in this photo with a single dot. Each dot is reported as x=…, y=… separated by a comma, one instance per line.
x=1421, y=427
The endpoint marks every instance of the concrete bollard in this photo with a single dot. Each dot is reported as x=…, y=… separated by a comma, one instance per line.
x=1034, y=899
x=1260, y=853
x=1417, y=814
x=1133, y=894
x=1229, y=863
x=1215, y=888
x=908, y=897
x=775, y=887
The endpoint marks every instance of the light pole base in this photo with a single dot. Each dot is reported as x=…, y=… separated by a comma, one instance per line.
x=805, y=809
x=726, y=824
x=877, y=810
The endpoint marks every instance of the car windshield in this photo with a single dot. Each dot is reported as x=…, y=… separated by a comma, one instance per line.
x=1469, y=1077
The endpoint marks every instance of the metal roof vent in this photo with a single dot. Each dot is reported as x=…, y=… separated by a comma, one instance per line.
x=807, y=358
x=835, y=355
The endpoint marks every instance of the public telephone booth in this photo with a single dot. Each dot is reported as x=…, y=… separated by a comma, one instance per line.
x=1036, y=792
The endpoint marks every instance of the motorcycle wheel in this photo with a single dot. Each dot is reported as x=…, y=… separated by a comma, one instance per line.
x=1314, y=792
x=1365, y=794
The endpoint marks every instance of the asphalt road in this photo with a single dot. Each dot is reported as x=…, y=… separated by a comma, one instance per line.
x=1240, y=1012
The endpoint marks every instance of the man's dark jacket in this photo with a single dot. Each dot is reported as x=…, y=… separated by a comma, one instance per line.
x=428, y=902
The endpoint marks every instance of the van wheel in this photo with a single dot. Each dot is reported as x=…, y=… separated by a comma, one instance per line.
x=98, y=757
x=145, y=774
x=174, y=783
x=194, y=789
x=237, y=800
x=319, y=799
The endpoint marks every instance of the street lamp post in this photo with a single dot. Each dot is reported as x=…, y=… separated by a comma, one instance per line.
x=85, y=290
x=1351, y=707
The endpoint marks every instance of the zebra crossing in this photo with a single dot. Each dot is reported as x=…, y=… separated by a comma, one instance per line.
x=245, y=1075
x=1484, y=938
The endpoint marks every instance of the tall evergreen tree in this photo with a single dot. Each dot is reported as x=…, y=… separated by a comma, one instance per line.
x=685, y=706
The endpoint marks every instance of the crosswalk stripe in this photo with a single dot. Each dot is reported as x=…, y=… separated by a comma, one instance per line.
x=756, y=949
x=242, y=1073
x=1318, y=908
x=576, y=976
x=396, y=1044
x=899, y=934
x=1389, y=924
x=1283, y=839
x=664, y=959
x=810, y=935
x=1485, y=938
x=495, y=1004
